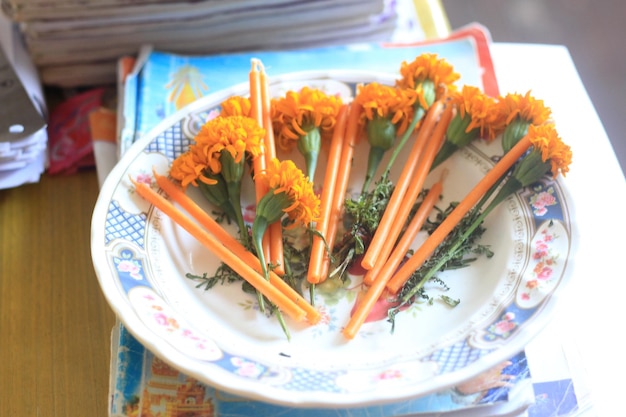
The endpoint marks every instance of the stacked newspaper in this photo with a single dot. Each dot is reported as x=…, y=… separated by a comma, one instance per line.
x=143, y=385
x=23, y=135
x=75, y=43
x=537, y=382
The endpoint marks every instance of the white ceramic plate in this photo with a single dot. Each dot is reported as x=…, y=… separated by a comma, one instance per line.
x=219, y=337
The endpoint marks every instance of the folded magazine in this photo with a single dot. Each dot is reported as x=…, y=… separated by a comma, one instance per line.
x=159, y=84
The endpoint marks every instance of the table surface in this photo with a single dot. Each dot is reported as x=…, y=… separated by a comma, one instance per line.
x=55, y=324
x=591, y=303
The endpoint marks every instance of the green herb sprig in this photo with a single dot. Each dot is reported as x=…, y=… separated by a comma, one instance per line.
x=458, y=250
x=361, y=219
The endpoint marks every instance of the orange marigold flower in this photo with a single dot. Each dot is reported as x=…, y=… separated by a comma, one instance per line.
x=238, y=135
x=236, y=106
x=546, y=140
x=286, y=177
x=484, y=111
x=187, y=168
x=526, y=107
x=383, y=101
x=298, y=112
x=427, y=67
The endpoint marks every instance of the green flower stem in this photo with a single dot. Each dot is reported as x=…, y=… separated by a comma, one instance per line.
x=234, y=193
x=531, y=168
x=233, y=173
x=490, y=192
x=258, y=230
x=429, y=90
x=259, y=227
x=417, y=116
x=373, y=161
x=309, y=146
x=446, y=150
x=270, y=209
x=381, y=134
x=513, y=132
x=217, y=194
x=457, y=129
x=527, y=171
x=430, y=95
x=457, y=137
x=260, y=301
x=281, y=320
x=312, y=294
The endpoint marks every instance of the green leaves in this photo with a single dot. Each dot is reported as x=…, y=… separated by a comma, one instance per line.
x=361, y=219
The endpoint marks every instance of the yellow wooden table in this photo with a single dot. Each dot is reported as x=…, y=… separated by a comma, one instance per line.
x=55, y=325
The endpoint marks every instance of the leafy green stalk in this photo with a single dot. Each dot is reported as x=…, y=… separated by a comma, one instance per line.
x=430, y=94
x=217, y=194
x=309, y=146
x=513, y=132
x=281, y=320
x=417, y=116
x=381, y=134
x=362, y=217
x=452, y=252
x=457, y=137
x=455, y=250
x=269, y=210
x=233, y=173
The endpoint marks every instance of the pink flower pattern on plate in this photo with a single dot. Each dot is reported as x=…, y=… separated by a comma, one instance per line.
x=144, y=177
x=246, y=368
x=132, y=267
x=389, y=374
x=543, y=270
x=178, y=332
x=503, y=327
x=542, y=200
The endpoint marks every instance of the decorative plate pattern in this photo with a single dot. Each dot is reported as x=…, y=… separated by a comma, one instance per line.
x=219, y=337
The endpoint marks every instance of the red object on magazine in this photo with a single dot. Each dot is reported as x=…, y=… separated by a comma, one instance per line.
x=69, y=133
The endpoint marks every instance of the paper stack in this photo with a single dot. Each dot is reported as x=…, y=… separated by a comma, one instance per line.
x=76, y=43
x=143, y=385
x=23, y=135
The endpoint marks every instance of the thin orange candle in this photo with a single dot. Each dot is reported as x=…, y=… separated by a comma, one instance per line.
x=275, y=232
x=415, y=185
x=377, y=288
x=350, y=139
x=231, y=243
x=390, y=215
x=259, y=163
x=227, y=256
x=385, y=267
x=270, y=146
x=428, y=247
x=318, y=244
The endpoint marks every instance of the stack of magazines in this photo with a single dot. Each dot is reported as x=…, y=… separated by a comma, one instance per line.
x=536, y=382
x=76, y=43
x=143, y=385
